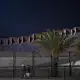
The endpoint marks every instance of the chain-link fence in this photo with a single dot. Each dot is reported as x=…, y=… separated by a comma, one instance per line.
x=41, y=66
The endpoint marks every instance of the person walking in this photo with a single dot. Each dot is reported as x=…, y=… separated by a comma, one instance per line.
x=28, y=71
x=24, y=71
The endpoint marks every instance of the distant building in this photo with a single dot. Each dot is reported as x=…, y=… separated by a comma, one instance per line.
x=29, y=39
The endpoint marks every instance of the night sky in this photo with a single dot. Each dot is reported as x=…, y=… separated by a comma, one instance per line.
x=23, y=17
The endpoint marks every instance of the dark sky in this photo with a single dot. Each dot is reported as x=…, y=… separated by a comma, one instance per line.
x=23, y=17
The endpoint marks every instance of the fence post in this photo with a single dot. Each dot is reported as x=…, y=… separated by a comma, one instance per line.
x=14, y=64
x=48, y=73
x=70, y=68
x=64, y=72
x=51, y=65
x=33, y=72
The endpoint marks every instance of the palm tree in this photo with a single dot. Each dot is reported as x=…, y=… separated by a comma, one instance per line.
x=55, y=43
x=78, y=49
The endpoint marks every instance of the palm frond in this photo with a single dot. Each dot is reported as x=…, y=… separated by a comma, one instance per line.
x=53, y=41
x=68, y=42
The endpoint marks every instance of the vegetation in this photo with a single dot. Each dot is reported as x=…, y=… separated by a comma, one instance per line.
x=55, y=43
x=78, y=49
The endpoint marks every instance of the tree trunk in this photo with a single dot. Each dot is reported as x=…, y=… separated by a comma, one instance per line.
x=54, y=68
